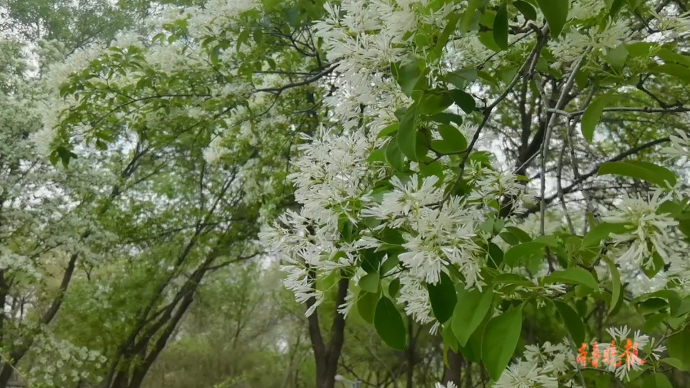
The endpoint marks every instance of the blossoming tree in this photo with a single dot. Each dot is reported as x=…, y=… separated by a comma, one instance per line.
x=461, y=163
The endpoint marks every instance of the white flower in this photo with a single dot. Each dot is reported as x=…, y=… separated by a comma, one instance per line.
x=450, y=384
x=525, y=375
x=415, y=297
x=680, y=145
x=406, y=197
x=647, y=227
x=350, y=300
x=585, y=9
x=42, y=140
x=215, y=150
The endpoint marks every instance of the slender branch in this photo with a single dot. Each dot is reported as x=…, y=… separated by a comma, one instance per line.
x=526, y=66
x=307, y=81
x=559, y=187
x=676, y=109
x=547, y=136
x=593, y=172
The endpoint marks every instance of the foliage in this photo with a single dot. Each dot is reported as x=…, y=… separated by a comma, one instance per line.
x=422, y=155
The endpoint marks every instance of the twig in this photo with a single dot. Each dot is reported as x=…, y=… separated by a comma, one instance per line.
x=559, y=187
x=675, y=109
x=307, y=81
x=547, y=133
x=593, y=172
x=527, y=65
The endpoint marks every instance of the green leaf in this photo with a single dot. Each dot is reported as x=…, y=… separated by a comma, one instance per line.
x=657, y=380
x=408, y=76
x=653, y=320
x=443, y=298
x=574, y=275
x=461, y=78
x=617, y=56
x=434, y=168
x=407, y=133
x=370, y=282
x=670, y=56
x=519, y=233
x=463, y=100
x=447, y=118
x=393, y=155
x=470, y=311
x=453, y=19
x=371, y=259
x=615, y=284
x=501, y=27
x=435, y=102
x=592, y=115
x=639, y=170
x=651, y=305
x=292, y=16
x=393, y=288
x=366, y=305
x=495, y=254
x=679, y=347
x=389, y=324
x=523, y=252
x=501, y=337
x=556, y=14
x=664, y=173
x=377, y=156
x=674, y=362
x=572, y=321
x=487, y=39
x=601, y=232
x=616, y=6
x=391, y=263
x=675, y=70
x=453, y=140
x=388, y=130
x=242, y=38
x=657, y=265
x=526, y=10
x=470, y=19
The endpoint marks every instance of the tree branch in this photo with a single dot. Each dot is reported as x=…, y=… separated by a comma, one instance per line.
x=593, y=172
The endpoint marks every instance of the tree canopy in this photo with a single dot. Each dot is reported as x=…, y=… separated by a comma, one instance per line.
x=453, y=193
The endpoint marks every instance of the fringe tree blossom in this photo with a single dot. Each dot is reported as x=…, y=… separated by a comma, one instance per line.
x=679, y=147
x=650, y=231
x=540, y=366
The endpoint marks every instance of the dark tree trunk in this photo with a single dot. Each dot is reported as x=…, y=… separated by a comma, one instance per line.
x=410, y=352
x=453, y=371
x=327, y=355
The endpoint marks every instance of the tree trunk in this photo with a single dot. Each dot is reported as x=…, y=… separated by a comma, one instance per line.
x=410, y=352
x=453, y=371
x=327, y=355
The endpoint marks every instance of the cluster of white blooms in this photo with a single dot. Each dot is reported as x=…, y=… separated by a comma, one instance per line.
x=58, y=363
x=649, y=234
x=213, y=18
x=622, y=351
x=569, y=48
x=679, y=147
x=493, y=186
x=585, y=9
x=435, y=236
x=332, y=179
x=364, y=37
x=540, y=366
